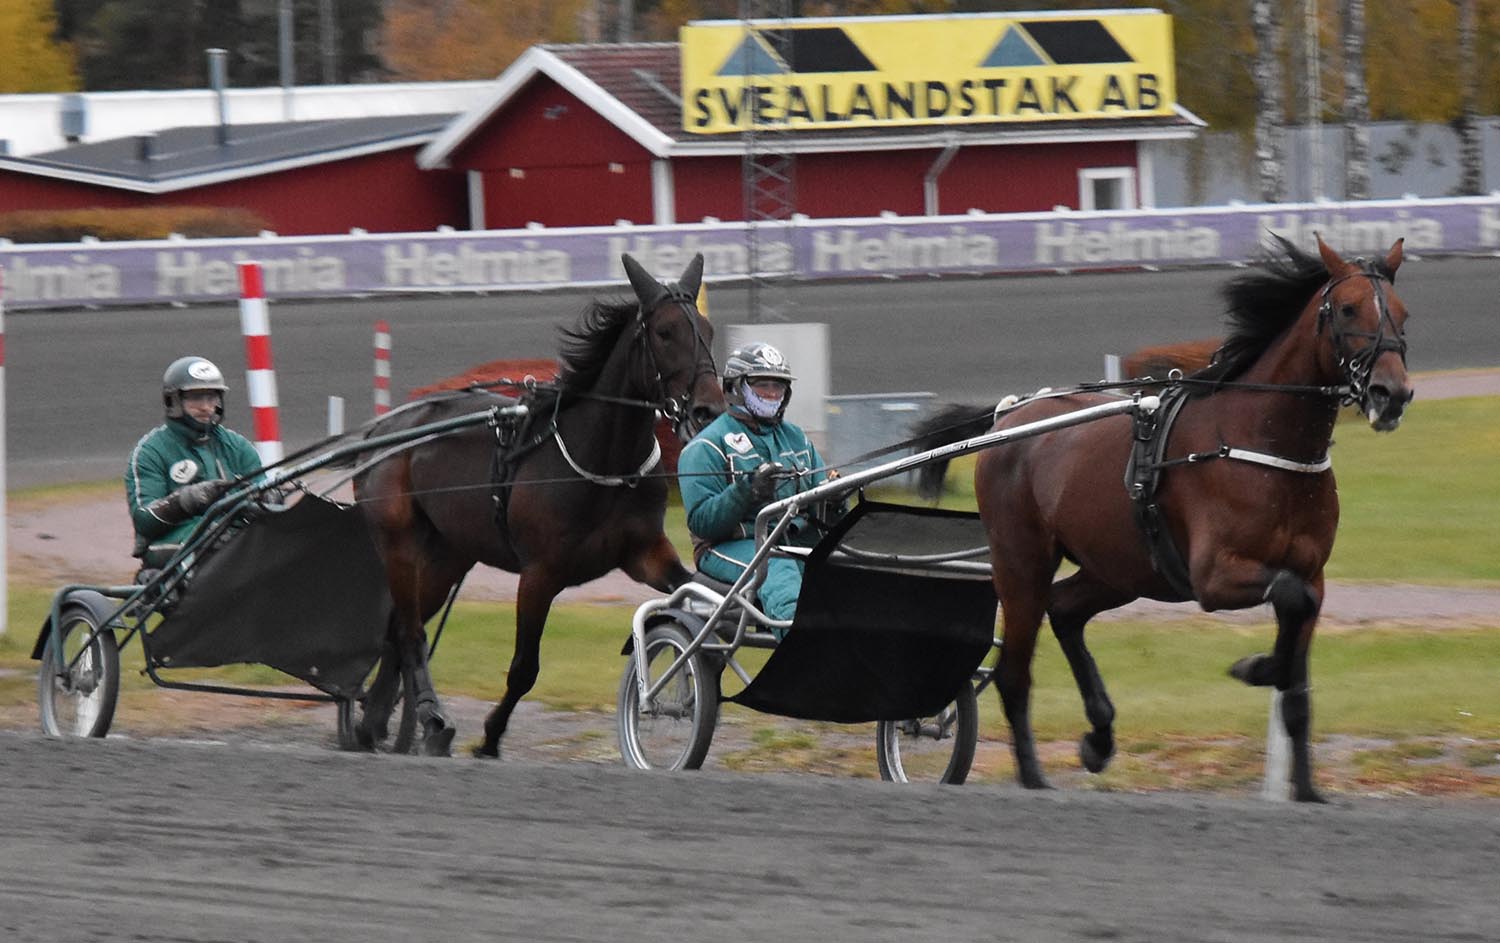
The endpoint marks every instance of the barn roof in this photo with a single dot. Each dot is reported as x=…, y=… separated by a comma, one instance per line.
x=183, y=158
x=635, y=87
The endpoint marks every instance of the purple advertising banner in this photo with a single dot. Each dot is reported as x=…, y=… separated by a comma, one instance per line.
x=203, y=270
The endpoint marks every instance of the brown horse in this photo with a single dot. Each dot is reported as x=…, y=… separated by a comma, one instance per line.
x=573, y=497
x=1242, y=496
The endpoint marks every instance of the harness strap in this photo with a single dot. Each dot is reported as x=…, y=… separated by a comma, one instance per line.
x=610, y=481
x=1143, y=477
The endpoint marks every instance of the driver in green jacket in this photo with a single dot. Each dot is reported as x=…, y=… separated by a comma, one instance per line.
x=177, y=470
x=741, y=462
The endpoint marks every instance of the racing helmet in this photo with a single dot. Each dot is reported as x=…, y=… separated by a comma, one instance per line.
x=185, y=375
x=756, y=361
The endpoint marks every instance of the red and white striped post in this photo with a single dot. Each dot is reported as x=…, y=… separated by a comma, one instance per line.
x=382, y=368
x=4, y=510
x=260, y=376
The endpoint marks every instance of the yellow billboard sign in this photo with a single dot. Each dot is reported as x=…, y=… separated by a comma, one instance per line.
x=861, y=72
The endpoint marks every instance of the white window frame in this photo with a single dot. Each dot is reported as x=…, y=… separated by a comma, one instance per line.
x=1087, y=176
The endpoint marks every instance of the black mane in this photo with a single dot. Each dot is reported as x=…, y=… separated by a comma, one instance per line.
x=1261, y=304
x=586, y=346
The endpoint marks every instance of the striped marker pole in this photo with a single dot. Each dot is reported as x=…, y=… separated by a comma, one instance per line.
x=382, y=368
x=4, y=512
x=260, y=376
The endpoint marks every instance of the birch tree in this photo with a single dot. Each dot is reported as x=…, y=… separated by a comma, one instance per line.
x=1269, y=111
x=1471, y=153
x=1356, y=103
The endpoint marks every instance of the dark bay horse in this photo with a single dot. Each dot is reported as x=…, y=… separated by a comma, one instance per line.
x=574, y=497
x=1244, y=497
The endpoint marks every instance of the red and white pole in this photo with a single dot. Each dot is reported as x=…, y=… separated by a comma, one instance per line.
x=260, y=376
x=4, y=512
x=382, y=368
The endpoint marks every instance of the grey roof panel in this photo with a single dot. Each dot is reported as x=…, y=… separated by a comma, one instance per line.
x=194, y=151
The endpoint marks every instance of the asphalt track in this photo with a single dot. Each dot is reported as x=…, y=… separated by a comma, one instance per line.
x=192, y=841
x=83, y=385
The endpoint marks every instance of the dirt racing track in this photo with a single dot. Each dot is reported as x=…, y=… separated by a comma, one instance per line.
x=190, y=841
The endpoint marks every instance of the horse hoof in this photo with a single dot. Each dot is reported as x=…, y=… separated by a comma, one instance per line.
x=1096, y=756
x=1309, y=794
x=1254, y=670
x=484, y=751
x=439, y=742
x=1034, y=781
x=362, y=739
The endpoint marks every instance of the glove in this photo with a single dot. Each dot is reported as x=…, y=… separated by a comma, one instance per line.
x=763, y=482
x=196, y=497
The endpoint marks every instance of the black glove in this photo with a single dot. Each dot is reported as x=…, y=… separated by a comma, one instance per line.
x=196, y=497
x=763, y=482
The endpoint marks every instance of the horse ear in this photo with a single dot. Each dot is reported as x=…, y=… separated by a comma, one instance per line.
x=647, y=289
x=1393, y=259
x=692, y=276
x=1336, y=266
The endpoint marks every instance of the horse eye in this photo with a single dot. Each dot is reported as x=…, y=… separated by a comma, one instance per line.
x=664, y=332
x=1348, y=311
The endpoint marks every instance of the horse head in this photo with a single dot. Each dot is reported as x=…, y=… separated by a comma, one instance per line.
x=1366, y=323
x=678, y=345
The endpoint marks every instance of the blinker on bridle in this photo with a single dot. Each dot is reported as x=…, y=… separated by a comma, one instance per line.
x=1359, y=365
x=674, y=408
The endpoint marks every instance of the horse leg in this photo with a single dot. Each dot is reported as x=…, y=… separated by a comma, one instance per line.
x=1297, y=604
x=437, y=730
x=534, y=595
x=1074, y=602
x=380, y=699
x=1022, y=584
x=658, y=566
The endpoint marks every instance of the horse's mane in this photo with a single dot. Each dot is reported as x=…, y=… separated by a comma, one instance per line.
x=1261, y=304
x=585, y=350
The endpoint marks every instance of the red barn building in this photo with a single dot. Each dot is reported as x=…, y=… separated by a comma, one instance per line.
x=589, y=134
x=302, y=177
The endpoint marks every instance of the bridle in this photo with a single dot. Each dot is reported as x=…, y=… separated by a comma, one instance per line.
x=1357, y=366
x=675, y=408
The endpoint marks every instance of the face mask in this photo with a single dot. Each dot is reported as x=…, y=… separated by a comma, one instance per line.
x=758, y=407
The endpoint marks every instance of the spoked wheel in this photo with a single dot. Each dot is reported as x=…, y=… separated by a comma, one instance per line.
x=931, y=749
x=674, y=729
x=77, y=692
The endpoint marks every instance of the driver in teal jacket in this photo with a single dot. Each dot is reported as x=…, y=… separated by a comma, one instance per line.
x=185, y=464
x=741, y=462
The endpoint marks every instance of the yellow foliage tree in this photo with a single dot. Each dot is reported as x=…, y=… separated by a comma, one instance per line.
x=451, y=40
x=31, y=60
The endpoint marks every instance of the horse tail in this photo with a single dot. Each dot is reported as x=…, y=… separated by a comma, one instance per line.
x=952, y=423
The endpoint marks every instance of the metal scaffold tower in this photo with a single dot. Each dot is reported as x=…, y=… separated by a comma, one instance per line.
x=768, y=168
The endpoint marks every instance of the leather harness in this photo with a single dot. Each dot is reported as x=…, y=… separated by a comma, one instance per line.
x=1150, y=435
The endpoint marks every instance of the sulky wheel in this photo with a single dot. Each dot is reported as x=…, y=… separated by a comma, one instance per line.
x=77, y=692
x=673, y=730
x=931, y=749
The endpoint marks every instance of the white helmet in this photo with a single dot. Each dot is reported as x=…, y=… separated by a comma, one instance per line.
x=757, y=361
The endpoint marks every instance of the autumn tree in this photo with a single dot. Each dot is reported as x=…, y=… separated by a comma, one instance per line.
x=31, y=58
x=433, y=40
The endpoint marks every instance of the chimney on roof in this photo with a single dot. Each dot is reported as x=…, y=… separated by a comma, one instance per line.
x=218, y=77
x=145, y=147
x=73, y=116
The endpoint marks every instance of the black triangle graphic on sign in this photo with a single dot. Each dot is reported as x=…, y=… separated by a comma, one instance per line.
x=819, y=49
x=1076, y=42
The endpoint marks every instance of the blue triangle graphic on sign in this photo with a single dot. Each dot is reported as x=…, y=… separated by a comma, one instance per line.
x=751, y=58
x=1012, y=50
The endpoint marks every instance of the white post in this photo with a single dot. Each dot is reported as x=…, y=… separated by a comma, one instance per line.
x=335, y=415
x=260, y=375
x=1277, y=784
x=1112, y=368
x=382, y=368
